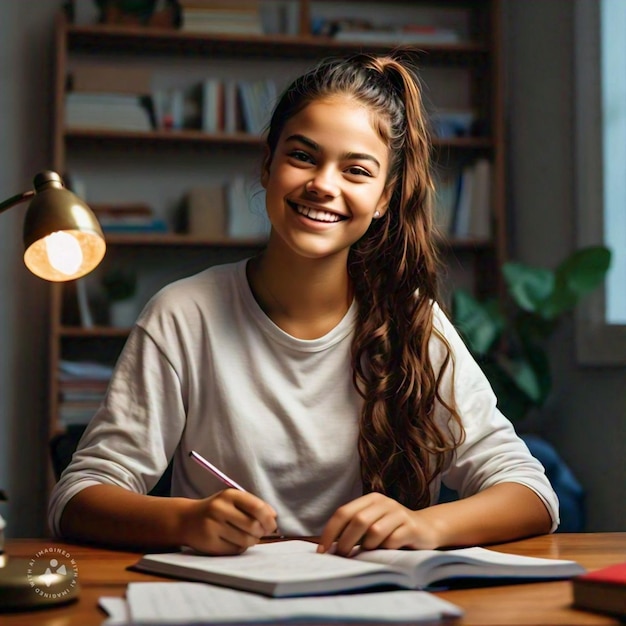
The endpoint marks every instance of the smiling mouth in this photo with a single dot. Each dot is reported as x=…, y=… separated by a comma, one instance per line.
x=316, y=214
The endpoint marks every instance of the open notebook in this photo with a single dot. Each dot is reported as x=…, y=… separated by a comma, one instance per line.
x=293, y=568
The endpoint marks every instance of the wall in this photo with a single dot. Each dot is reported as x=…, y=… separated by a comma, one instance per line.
x=586, y=417
x=588, y=406
x=25, y=71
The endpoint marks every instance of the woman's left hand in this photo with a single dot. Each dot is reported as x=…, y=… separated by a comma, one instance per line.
x=376, y=521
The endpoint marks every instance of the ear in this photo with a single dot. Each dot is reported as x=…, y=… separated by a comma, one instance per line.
x=383, y=203
x=265, y=168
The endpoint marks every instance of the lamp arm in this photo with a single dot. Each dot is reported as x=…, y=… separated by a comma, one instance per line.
x=20, y=197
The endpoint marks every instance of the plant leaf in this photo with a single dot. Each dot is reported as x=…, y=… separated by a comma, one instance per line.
x=522, y=373
x=480, y=324
x=585, y=269
x=579, y=274
x=537, y=359
x=528, y=286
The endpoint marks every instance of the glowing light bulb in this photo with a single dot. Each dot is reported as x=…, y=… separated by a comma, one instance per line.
x=64, y=253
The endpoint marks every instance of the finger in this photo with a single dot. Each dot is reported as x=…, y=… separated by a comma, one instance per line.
x=380, y=532
x=333, y=529
x=357, y=529
x=261, y=514
x=337, y=524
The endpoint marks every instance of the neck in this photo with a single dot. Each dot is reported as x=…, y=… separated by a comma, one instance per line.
x=306, y=297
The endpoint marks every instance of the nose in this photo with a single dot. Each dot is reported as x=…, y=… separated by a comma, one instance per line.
x=323, y=185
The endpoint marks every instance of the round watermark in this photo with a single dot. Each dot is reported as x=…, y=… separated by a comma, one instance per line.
x=53, y=574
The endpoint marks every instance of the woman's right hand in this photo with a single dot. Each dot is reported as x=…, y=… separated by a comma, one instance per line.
x=227, y=522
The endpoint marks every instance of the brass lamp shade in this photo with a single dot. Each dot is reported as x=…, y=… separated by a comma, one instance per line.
x=59, y=223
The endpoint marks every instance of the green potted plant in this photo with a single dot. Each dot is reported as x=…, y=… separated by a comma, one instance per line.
x=120, y=288
x=509, y=339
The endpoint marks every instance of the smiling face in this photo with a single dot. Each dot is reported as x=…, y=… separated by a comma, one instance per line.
x=326, y=178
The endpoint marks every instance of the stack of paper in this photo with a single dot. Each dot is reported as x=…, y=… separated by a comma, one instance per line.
x=199, y=603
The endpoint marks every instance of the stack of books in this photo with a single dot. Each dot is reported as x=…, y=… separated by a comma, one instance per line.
x=231, y=105
x=79, y=400
x=129, y=219
x=257, y=101
x=221, y=16
x=367, y=31
x=110, y=111
x=82, y=385
x=463, y=207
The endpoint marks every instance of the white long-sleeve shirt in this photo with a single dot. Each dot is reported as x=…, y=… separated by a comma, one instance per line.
x=205, y=369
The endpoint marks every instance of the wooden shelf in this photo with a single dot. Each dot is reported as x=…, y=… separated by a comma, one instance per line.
x=135, y=40
x=162, y=136
x=238, y=140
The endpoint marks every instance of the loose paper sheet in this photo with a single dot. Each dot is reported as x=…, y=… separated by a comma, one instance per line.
x=200, y=603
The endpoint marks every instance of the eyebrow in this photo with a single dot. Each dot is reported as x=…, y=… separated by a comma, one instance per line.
x=349, y=155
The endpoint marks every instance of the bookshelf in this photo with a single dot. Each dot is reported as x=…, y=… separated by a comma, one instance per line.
x=157, y=166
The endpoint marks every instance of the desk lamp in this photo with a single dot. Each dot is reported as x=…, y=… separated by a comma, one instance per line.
x=62, y=237
x=62, y=241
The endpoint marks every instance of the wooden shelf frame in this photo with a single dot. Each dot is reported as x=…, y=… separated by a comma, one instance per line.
x=136, y=40
x=480, y=56
x=237, y=140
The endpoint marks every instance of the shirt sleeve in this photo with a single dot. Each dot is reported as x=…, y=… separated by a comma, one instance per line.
x=134, y=433
x=491, y=452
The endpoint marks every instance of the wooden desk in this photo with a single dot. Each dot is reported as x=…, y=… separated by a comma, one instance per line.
x=103, y=572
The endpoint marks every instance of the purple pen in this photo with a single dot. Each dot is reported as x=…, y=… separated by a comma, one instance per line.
x=198, y=458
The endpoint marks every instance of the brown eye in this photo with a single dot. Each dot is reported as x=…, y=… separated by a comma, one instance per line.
x=300, y=155
x=358, y=171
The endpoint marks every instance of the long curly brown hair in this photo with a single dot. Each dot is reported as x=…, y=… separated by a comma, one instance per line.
x=394, y=270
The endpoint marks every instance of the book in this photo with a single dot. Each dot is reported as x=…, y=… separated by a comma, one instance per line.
x=602, y=590
x=257, y=101
x=463, y=207
x=129, y=218
x=237, y=16
x=479, y=225
x=198, y=603
x=77, y=412
x=84, y=370
x=294, y=568
x=212, y=105
x=397, y=35
x=206, y=212
x=111, y=111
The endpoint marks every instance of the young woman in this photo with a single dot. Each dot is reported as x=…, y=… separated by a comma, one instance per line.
x=321, y=375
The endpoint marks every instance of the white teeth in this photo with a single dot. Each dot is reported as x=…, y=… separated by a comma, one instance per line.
x=320, y=216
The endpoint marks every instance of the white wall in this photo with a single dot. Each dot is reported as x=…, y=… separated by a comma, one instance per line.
x=586, y=417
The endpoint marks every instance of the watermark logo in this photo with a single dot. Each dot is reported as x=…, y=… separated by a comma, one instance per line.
x=53, y=574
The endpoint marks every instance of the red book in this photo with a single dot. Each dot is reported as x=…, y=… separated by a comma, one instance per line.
x=602, y=590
